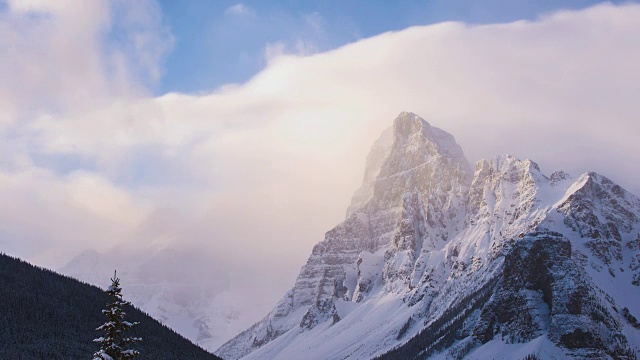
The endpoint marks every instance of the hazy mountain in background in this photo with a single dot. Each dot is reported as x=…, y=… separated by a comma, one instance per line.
x=435, y=259
x=182, y=288
x=44, y=315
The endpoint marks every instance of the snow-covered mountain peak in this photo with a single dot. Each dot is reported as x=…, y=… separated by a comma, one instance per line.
x=434, y=260
x=605, y=217
x=416, y=142
x=415, y=203
x=407, y=126
x=506, y=184
x=509, y=165
x=406, y=157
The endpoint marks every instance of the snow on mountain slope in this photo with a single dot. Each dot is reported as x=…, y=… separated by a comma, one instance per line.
x=434, y=260
x=423, y=158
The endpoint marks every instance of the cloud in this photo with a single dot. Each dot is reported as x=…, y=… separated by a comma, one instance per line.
x=64, y=56
x=44, y=215
x=256, y=173
x=239, y=9
x=257, y=37
x=65, y=60
x=40, y=66
x=274, y=50
x=141, y=39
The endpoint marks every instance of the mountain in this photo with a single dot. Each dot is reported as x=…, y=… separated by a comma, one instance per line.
x=193, y=300
x=44, y=315
x=436, y=260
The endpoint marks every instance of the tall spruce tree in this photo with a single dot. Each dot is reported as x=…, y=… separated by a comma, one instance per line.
x=113, y=346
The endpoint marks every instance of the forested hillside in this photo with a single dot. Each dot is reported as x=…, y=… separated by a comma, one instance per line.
x=44, y=315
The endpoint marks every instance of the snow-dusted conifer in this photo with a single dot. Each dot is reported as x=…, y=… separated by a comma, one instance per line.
x=113, y=346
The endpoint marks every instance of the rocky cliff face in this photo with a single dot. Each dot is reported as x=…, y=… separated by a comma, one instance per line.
x=434, y=260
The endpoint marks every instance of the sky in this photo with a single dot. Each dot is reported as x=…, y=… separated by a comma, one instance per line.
x=241, y=129
x=221, y=42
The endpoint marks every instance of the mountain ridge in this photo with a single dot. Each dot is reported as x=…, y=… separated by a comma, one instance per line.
x=432, y=235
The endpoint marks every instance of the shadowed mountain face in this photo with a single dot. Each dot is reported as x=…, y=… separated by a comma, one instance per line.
x=44, y=315
x=436, y=260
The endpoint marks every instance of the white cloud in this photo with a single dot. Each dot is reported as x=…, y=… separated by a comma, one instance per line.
x=44, y=216
x=239, y=9
x=40, y=66
x=61, y=61
x=314, y=22
x=274, y=50
x=147, y=40
x=301, y=47
x=59, y=57
x=259, y=171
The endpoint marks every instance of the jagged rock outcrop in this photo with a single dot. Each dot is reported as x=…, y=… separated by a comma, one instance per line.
x=544, y=291
x=434, y=260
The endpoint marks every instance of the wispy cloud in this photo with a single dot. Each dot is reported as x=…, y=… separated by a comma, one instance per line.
x=239, y=9
x=310, y=32
x=62, y=58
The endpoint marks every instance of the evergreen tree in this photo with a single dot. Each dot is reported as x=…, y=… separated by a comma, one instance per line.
x=113, y=346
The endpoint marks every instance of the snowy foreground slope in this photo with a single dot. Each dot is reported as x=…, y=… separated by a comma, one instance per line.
x=435, y=260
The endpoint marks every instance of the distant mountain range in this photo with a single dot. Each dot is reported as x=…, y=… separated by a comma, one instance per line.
x=438, y=260
x=44, y=315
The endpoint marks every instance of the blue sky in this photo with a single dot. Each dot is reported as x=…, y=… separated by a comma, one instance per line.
x=220, y=42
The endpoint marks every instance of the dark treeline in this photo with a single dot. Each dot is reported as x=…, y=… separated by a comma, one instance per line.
x=44, y=315
x=532, y=357
x=443, y=332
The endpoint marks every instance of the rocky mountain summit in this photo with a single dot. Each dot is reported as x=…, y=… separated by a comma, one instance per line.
x=435, y=260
